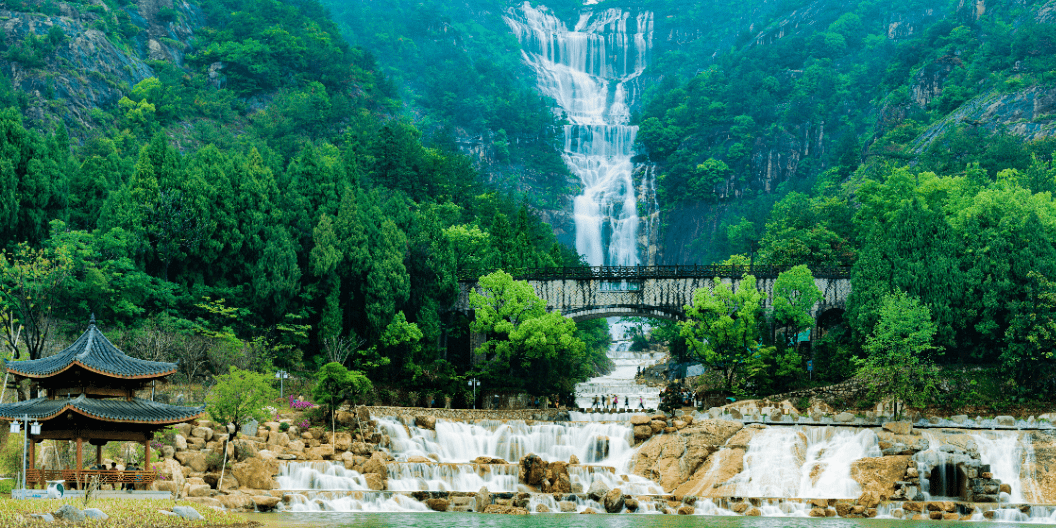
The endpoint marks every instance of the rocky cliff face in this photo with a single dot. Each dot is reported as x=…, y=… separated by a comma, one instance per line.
x=84, y=66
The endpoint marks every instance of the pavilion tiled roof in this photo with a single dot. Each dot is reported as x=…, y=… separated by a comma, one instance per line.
x=135, y=411
x=94, y=352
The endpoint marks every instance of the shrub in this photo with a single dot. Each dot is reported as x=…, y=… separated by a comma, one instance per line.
x=284, y=426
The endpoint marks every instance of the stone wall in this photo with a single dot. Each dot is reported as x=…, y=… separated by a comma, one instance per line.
x=468, y=415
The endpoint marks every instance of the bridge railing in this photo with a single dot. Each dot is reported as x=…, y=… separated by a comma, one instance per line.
x=651, y=272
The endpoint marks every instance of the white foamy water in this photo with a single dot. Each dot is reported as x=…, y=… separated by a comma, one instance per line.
x=319, y=476
x=453, y=477
x=804, y=462
x=591, y=71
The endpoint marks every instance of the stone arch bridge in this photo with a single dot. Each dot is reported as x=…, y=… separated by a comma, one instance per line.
x=650, y=291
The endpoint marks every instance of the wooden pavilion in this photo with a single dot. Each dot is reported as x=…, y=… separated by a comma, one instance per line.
x=88, y=394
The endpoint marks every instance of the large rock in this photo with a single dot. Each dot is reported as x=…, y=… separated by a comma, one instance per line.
x=597, y=491
x=532, y=469
x=1005, y=421
x=188, y=513
x=640, y=419
x=204, y=433
x=439, y=505
x=170, y=477
x=323, y=452
x=265, y=503
x=361, y=448
x=244, y=448
x=256, y=473
x=671, y=460
x=425, y=422
x=342, y=441
x=237, y=501
x=613, y=501
x=180, y=442
x=483, y=499
x=878, y=475
x=95, y=514
x=70, y=514
x=195, y=460
x=278, y=438
x=642, y=432
x=899, y=428
x=376, y=464
x=375, y=481
x=844, y=417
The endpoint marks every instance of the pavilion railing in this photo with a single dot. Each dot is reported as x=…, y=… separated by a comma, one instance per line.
x=652, y=272
x=76, y=478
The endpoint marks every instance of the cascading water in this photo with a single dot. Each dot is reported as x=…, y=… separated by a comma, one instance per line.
x=591, y=71
x=804, y=462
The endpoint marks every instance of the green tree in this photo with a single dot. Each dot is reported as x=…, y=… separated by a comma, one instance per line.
x=897, y=364
x=795, y=295
x=31, y=282
x=722, y=330
x=241, y=395
x=334, y=385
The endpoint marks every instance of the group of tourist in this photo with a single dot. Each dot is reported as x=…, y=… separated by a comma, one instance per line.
x=612, y=402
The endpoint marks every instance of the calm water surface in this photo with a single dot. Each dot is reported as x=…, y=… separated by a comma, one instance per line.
x=473, y=520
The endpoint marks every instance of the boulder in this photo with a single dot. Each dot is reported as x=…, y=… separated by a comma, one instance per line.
x=631, y=504
x=959, y=419
x=342, y=441
x=640, y=419
x=95, y=514
x=375, y=481
x=482, y=499
x=323, y=452
x=844, y=417
x=597, y=491
x=533, y=469
x=70, y=514
x=200, y=490
x=505, y=510
x=485, y=460
x=265, y=503
x=236, y=502
x=566, y=506
x=869, y=498
x=183, y=429
x=244, y=448
x=1005, y=421
x=642, y=432
x=425, y=422
x=898, y=428
x=187, y=513
x=817, y=512
x=588, y=511
x=361, y=448
x=542, y=508
x=195, y=460
x=439, y=505
x=278, y=438
x=686, y=509
x=613, y=501
x=376, y=464
x=204, y=433
x=657, y=426
x=256, y=473
x=180, y=442
x=753, y=512
x=170, y=477
x=419, y=460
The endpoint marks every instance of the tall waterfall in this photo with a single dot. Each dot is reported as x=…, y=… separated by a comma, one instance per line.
x=591, y=71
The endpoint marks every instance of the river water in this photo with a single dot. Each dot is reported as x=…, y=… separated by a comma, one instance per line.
x=470, y=520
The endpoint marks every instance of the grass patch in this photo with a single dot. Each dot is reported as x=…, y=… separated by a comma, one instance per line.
x=124, y=513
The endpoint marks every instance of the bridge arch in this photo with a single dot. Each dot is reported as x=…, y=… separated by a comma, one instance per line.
x=650, y=291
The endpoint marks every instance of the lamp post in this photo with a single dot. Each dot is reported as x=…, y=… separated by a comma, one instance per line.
x=281, y=375
x=33, y=429
x=474, y=383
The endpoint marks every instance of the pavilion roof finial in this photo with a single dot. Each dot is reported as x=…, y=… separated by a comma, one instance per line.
x=91, y=322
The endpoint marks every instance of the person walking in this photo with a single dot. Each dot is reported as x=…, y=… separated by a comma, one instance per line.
x=641, y=402
x=615, y=402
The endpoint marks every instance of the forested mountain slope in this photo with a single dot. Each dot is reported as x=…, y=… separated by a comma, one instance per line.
x=231, y=183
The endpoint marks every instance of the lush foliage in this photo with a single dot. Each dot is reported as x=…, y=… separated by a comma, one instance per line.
x=334, y=385
x=240, y=396
x=897, y=364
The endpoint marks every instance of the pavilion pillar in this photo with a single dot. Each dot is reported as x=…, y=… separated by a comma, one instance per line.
x=99, y=454
x=146, y=454
x=80, y=456
x=32, y=460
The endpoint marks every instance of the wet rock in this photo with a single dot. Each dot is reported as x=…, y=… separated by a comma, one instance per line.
x=483, y=499
x=753, y=512
x=505, y=510
x=1005, y=421
x=959, y=419
x=439, y=505
x=817, y=512
x=521, y=500
x=542, y=508
x=375, y=481
x=485, y=460
x=898, y=428
x=686, y=509
x=843, y=508
x=613, y=501
x=740, y=507
x=869, y=498
x=844, y=417
x=642, y=432
x=588, y=511
x=418, y=460
x=597, y=491
x=533, y=469
x=631, y=504
x=265, y=503
x=567, y=506
x=425, y=422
